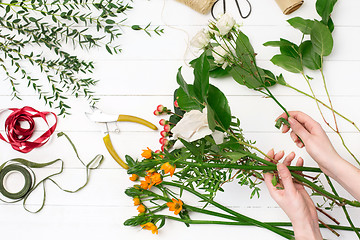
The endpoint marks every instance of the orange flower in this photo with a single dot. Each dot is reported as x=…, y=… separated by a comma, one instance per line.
x=150, y=180
x=145, y=184
x=150, y=226
x=168, y=168
x=136, y=201
x=134, y=177
x=155, y=179
x=141, y=208
x=147, y=153
x=175, y=205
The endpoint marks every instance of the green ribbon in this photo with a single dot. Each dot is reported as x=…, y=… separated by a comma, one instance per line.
x=25, y=167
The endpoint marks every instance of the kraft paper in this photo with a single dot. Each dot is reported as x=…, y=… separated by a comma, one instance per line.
x=289, y=6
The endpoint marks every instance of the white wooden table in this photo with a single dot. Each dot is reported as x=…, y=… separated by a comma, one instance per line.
x=143, y=76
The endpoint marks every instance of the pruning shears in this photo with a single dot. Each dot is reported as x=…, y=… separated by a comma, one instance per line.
x=103, y=119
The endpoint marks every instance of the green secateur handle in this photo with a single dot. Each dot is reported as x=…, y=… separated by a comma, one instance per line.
x=107, y=140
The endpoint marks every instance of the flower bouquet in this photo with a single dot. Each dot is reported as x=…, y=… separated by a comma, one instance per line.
x=203, y=148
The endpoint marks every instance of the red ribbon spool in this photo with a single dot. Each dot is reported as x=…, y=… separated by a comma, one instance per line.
x=18, y=137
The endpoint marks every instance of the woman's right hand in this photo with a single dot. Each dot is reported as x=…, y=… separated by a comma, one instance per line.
x=317, y=143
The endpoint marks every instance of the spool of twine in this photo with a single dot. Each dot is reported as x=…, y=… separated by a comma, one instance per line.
x=201, y=6
x=289, y=6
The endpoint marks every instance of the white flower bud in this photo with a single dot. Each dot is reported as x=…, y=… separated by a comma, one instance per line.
x=225, y=23
x=201, y=39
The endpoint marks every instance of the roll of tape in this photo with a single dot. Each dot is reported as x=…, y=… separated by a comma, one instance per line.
x=27, y=185
x=289, y=6
x=201, y=6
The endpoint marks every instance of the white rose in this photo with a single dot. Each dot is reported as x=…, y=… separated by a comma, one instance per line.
x=194, y=126
x=225, y=23
x=201, y=39
x=220, y=53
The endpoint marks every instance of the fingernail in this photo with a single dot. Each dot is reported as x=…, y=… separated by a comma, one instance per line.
x=291, y=120
x=299, y=144
x=294, y=138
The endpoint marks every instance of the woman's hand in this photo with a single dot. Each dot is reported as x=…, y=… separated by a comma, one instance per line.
x=293, y=199
x=317, y=143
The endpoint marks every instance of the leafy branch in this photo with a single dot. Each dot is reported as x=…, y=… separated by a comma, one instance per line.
x=52, y=25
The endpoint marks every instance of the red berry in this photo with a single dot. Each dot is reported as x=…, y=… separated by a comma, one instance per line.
x=160, y=108
x=162, y=122
x=167, y=128
x=176, y=104
x=164, y=133
x=156, y=113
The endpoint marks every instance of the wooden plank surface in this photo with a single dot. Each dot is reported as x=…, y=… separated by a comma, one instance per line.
x=143, y=76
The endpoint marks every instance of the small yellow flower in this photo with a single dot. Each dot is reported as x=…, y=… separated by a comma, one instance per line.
x=150, y=226
x=141, y=208
x=137, y=201
x=134, y=177
x=168, y=168
x=147, y=153
x=175, y=205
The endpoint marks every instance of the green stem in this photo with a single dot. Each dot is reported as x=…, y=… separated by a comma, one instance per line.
x=341, y=200
x=322, y=103
x=246, y=167
x=336, y=130
x=238, y=215
x=343, y=208
x=277, y=224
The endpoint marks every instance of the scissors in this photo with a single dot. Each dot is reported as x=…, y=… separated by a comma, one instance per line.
x=103, y=119
x=237, y=5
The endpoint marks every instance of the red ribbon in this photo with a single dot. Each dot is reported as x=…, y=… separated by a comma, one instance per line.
x=17, y=136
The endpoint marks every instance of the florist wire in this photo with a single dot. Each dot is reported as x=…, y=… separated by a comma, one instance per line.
x=237, y=5
x=17, y=136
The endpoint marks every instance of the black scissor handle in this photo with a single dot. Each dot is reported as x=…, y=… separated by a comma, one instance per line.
x=237, y=5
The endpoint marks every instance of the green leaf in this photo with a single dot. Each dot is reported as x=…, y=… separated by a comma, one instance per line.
x=180, y=80
x=331, y=25
x=243, y=46
x=219, y=72
x=234, y=156
x=291, y=49
x=270, y=79
x=201, y=73
x=243, y=77
x=304, y=25
x=310, y=58
x=108, y=49
x=185, y=101
x=280, y=43
x=321, y=39
x=110, y=21
x=32, y=19
x=211, y=118
x=280, y=122
x=191, y=147
x=288, y=63
x=286, y=47
x=274, y=180
x=280, y=79
x=324, y=8
x=136, y=27
x=219, y=104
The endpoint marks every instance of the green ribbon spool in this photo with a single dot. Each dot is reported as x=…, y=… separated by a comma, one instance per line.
x=25, y=167
x=27, y=185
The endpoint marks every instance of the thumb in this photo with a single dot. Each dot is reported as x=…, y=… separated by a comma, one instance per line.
x=298, y=129
x=286, y=178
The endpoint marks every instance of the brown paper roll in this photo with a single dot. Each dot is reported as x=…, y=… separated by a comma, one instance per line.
x=289, y=6
x=202, y=6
